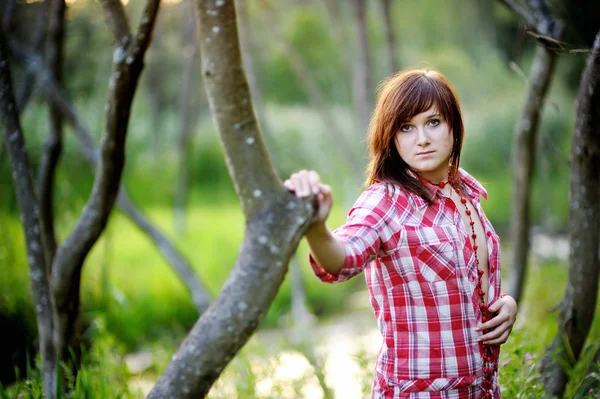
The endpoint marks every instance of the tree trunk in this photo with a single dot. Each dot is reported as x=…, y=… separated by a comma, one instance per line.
x=53, y=146
x=362, y=67
x=184, y=150
x=390, y=37
x=524, y=149
x=579, y=302
x=70, y=255
x=29, y=210
x=275, y=220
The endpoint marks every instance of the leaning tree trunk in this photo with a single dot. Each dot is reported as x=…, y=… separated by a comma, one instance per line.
x=53, y=145
x=523, y=153
x=128, y=61
x=275, y=220
x=579, y=302
x=390, y=37
x=29, y=210
x=362, y=67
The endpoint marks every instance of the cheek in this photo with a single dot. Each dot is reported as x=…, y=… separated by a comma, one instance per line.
x=402, y=145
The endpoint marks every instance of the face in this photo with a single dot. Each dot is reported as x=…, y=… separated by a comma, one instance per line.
x=425, y=144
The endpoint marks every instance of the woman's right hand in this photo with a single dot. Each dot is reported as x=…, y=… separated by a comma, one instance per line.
x=307, y=182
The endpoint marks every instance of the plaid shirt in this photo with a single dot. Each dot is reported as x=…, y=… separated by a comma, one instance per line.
x=420, y=270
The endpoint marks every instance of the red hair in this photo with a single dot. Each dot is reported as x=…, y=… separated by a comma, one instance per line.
x=400, y=97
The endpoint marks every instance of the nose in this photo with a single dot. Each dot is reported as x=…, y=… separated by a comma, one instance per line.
x=422, y=137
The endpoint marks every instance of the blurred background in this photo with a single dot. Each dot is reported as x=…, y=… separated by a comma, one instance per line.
x=301, y=59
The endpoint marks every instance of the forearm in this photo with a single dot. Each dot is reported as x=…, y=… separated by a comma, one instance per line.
x=327, y=251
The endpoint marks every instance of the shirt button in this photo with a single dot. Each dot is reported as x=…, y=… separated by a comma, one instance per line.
x=492, y=269
x=489, y=233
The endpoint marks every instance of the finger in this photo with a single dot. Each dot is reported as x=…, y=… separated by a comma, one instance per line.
x=496, y=321
x=301, y=184
x=325, y=189
x=500, y=340
x=496, y=306
x=495, y=333
x=314, y=180
x=289, y=185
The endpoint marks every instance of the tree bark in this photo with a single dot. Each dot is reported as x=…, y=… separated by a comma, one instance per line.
x=53, y=145
x=70, y=255
x=362, y=67
x=579, y=302
x=275, y=220
x=170, y=253
x=524, y=152
x=390, y=37
x=185, y=133
x=29, y=210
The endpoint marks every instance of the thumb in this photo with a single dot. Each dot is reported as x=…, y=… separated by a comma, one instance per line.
x=494, y=307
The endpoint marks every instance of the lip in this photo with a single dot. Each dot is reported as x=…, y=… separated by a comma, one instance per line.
x=425, y=153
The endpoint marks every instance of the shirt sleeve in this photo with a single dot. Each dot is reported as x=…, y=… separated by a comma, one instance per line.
x=363, y=234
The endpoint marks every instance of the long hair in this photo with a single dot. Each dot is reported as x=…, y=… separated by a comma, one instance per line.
x=400, y=97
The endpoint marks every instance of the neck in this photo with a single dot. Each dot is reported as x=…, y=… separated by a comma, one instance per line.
x=436, y=177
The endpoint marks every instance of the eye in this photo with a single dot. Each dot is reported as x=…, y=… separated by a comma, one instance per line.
x=434, y=122
x=405, y=128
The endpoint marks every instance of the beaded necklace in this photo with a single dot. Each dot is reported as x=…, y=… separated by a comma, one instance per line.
x=489, y=366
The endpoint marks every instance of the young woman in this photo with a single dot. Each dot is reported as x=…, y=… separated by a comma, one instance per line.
x=430, y=255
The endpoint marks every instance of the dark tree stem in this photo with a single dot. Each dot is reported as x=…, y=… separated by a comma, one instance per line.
x=29, y=210
x=579, y=302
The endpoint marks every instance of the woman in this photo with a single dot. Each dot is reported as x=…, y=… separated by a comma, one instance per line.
x=430, y=255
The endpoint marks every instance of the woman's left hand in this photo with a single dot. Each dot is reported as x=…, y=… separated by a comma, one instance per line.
x=502, y=324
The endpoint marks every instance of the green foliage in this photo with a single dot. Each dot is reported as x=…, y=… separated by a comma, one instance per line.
x=302, y=27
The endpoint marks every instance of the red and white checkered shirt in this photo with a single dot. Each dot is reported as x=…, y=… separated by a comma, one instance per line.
x=420, y=270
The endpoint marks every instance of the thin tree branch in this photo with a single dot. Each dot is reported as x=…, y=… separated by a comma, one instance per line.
x=117, y=21
x=28, y=207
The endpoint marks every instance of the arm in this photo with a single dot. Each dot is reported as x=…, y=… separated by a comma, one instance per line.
x=343, y=253
x=324, y=247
